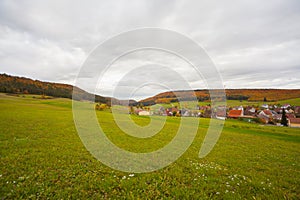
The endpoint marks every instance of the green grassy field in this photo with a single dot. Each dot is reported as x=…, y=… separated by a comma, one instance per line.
x=295, y=102
x=42, y=156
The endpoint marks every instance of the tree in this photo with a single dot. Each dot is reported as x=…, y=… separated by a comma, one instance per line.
x=141, y=105
x=284, y=121
x=131, y=110
x=265, y=99
x=174, y=113
x=102, y=106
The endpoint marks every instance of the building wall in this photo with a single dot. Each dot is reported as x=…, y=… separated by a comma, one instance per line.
x=294, y=125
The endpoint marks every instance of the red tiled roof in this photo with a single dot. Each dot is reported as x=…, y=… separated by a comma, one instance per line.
x=221, y=113
x=235, y=113
x=289, y=115
x=278, y=116
x=278, y=110
x=267, y=112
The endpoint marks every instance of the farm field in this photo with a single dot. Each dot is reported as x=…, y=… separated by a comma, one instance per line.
x=42, y=156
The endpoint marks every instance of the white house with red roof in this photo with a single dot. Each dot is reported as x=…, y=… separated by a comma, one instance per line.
x=294, y=122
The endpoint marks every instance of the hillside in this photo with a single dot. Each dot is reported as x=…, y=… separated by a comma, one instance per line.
x=231, y=94
x=22, y=85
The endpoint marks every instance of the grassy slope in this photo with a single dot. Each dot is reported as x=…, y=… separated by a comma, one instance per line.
x=295, y=102
x=42, y=156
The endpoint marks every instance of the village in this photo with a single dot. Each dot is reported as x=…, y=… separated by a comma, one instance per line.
x=279, y=115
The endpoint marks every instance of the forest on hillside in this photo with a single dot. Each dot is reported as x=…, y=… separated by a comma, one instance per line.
x=231, y=94
x=22, y=85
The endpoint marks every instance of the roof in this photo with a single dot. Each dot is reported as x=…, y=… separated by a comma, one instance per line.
x=267, y=112
x=289, y=115
x=286, y=106
x=295, y=120
x=250, y=109
x=278, y=116
x=221, y=113
x=264, y=117
x=235, y=113
x=278, y=110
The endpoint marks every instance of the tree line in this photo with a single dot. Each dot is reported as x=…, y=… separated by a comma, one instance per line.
x=22, y=85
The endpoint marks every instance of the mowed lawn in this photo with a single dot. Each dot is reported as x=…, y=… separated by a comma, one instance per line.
x=41, y=156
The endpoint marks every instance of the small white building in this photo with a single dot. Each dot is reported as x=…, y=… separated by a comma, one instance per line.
x=144, y=113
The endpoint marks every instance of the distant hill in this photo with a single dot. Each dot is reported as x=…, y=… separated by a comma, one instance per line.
x=231, y=94
x=22, y=85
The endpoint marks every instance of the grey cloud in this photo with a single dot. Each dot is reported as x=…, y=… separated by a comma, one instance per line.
x=253, y=43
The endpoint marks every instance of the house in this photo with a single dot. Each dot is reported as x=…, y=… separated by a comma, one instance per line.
x=294, y=122
x=157, y=110
x=264, y=118
x=278, y=110
x=239, y=108
x=235, y=113
x=265, y=106
x=207, y=113
x=277, y=117
x=203, y=108
x=265, y=115
x=144, y=113
x=185, y=113
x=297, y=111
x=137, y=111
x=250, y=111
x=221, y=114
x=171, y=111
x=291, y=111
x=290, y=115
x=286, y=106
x=162, y=109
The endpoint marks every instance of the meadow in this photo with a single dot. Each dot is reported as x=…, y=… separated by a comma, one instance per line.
x=42, y=156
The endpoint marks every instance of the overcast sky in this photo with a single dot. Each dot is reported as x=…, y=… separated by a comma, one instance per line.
x=254, y=43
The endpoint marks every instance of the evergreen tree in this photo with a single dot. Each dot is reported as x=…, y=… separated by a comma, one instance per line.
x=284, y=121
